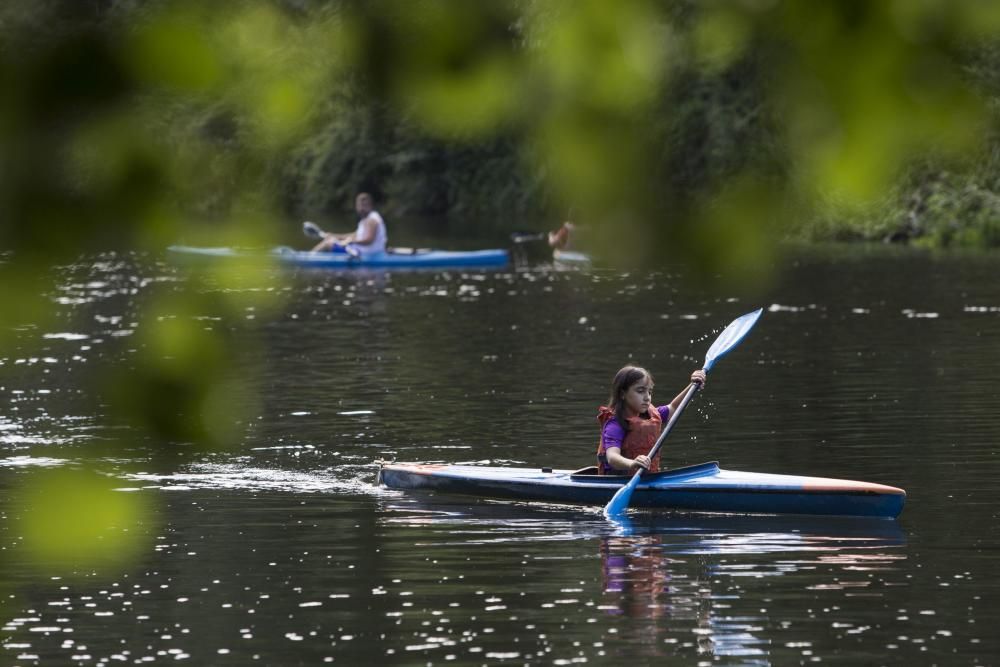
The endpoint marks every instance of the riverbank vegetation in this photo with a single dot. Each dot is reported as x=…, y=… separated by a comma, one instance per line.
x=869, y=126
x=674, y=121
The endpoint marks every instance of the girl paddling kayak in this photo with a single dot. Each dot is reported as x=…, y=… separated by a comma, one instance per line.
x=629, y=423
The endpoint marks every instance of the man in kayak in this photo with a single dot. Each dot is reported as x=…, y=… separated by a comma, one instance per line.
x=630, y=424
x=369, y=238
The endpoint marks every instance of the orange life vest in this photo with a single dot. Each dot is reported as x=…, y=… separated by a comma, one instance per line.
x=640, y=436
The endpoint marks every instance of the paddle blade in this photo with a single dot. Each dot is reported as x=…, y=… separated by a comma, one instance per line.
x=731, y=337
x=312, y=230
x=619, y=503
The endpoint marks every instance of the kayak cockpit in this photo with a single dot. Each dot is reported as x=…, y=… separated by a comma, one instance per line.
x=589, y=474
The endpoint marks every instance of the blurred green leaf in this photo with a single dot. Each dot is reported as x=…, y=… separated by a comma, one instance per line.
x=737, y=233
x=172, y=49
x=721, y=37
x=861, y=99
x=467, y=102
x=188, y=380
x=74, y=520
x=600, y=55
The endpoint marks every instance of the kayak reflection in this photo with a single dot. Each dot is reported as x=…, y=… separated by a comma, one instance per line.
x=669, y=570
x=677, y=533
x=664, y=584
x=724, y=533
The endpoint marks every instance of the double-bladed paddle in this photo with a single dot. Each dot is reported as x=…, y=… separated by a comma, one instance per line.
x=727, y=340
x=312, y=230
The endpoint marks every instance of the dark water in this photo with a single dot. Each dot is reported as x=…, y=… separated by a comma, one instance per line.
x=867, y=365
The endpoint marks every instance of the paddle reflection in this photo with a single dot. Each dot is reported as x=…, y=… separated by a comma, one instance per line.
x=663, y=585
x=670, y=572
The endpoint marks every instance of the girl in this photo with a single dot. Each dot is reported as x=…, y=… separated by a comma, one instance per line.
x=629, y=428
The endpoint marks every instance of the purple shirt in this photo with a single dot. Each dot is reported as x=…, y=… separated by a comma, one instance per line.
x=613, y=434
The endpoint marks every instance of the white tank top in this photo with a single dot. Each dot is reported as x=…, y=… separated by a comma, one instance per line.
x=381, y=239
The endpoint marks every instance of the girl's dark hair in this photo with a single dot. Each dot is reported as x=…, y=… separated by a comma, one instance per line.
x=624, y=379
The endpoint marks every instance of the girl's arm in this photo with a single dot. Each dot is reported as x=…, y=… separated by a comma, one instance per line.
x=619, y=462
x=697, y=376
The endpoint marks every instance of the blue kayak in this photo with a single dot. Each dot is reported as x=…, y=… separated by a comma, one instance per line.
x=391, y=259
x=699, y=488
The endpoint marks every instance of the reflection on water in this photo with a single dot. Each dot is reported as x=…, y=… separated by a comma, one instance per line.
x=31, y=462
x=675, y=582
x=281, y=549
x=666, y=568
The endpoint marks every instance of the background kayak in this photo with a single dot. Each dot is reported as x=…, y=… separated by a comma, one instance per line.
x=701, y=488
x=409, y=259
